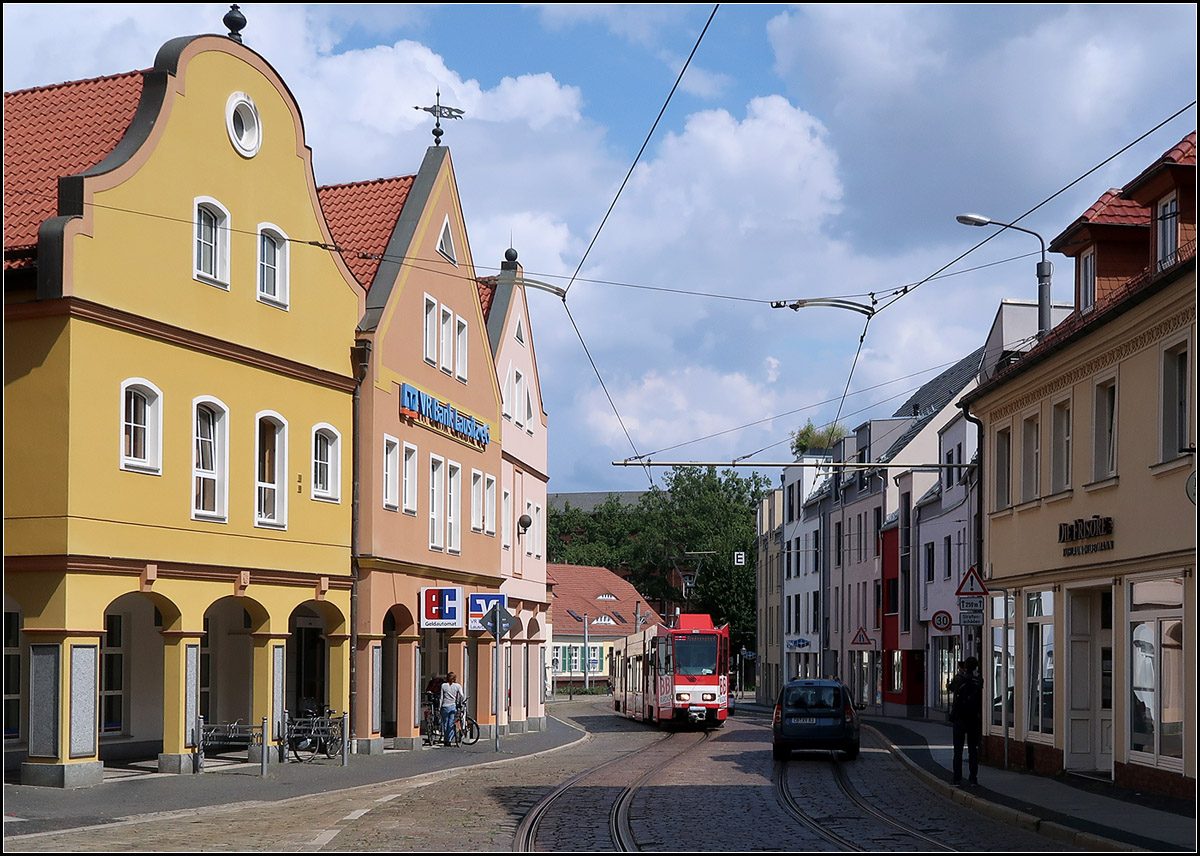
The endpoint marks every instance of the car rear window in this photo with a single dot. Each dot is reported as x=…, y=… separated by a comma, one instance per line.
x=811, y=697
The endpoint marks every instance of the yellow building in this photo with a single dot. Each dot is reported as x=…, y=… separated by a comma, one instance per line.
x=1088, y=452
x=178, y=418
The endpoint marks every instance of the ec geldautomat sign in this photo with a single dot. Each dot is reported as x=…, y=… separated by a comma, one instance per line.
x=420, y=405
x=442, y=607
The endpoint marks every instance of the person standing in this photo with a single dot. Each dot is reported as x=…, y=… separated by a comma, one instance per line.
x=451, y=693
x=966, y=715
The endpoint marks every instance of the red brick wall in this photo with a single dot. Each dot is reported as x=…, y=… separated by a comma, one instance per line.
x=1141, y=778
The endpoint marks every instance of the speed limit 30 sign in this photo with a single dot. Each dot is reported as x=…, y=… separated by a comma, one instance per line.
x=942, y=620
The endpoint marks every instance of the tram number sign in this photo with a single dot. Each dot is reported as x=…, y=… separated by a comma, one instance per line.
x=942, y=620
x=971, y=604
x=970, y=619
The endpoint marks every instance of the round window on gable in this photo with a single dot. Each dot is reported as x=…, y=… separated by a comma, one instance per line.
x=241, y=120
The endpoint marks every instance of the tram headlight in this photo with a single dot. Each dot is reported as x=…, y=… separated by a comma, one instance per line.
x=710, y=697
x=683, y=696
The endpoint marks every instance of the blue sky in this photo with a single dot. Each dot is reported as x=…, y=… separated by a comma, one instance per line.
x=809, y=151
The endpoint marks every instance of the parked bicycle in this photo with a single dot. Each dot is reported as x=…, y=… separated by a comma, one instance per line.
x=309, y=736
x=466, y=729
x=431, y=721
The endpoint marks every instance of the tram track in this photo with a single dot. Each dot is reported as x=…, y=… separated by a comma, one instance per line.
x=660, y=755
x=846, y=789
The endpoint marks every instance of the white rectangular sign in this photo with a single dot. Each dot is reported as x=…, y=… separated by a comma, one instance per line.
x=970, y=619
x=971, y=604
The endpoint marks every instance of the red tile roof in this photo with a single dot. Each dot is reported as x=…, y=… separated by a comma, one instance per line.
x=54, y=131
x=361, y=217
x=1109, y=210
x=487, y=293
x=597, y=592
x=1182, y=153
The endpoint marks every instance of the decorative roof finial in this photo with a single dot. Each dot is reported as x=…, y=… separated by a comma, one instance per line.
x=439, y=113
x=235, y=21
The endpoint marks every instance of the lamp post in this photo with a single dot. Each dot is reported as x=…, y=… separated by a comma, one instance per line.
x=1044, y=268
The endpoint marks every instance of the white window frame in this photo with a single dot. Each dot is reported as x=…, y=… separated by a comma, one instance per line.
x=506, y=520
x=506, y=394
x=476, y=501
x=430, y=335
x=279, y=267
x=446, y=326
x=538, y=528
x=453, y=507
x=529, y=409
x=1061, y=419
x=528, y=540
x=445, y=245
x=219, y=275
x=1031, y=457
x=1175, y=397
x=1002, y=474
x=1087, y=279
x=461, y=333
x=518, y=398
x=151, y=461
x=410, y=478
x=391, y=473
x=489, y=504
x=437, y=502
x=273, y=484
x=247, y=140
x=1106, y=410
x=331, y=492
x=218, y=473
x=1166, y=218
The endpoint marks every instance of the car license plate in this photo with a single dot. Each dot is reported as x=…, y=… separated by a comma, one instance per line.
x=803, y=720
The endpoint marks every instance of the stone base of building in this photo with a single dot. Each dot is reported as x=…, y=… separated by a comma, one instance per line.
x=176, y=762
x=368, y=746
x=517, y=727
x=82, y=775
x=536, y=723
x=1140, y=778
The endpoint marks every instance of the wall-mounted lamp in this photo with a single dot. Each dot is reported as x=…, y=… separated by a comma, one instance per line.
x=523, y=524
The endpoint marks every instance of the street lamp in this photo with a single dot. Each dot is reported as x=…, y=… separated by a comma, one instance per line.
x=1044, y=268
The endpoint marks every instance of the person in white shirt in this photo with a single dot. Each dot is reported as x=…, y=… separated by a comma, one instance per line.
x=451, y=694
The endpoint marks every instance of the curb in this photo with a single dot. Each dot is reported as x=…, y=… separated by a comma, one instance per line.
x=1014, y=817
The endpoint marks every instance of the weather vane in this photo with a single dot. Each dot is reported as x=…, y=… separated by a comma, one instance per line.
x=439, y=113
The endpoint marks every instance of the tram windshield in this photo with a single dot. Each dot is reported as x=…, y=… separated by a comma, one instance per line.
x=696, y=655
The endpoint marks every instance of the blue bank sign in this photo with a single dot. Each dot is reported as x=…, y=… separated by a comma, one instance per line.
x=418, y=404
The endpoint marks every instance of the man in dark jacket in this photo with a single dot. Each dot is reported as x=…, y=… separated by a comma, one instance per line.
x=966, y=714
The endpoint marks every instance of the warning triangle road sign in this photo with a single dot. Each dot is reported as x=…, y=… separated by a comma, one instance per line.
x=861, y=638
x=971, y=584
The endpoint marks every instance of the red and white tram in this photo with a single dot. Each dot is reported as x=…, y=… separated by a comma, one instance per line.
x=676, y=674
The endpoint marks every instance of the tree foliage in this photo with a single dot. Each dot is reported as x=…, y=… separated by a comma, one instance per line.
x=812, y=437
x=696, y=511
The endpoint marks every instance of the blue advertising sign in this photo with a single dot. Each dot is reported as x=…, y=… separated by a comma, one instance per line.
x=478, y=605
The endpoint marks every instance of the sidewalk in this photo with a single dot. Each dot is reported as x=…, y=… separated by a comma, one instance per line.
x=1088, y=814
x=1076, y=811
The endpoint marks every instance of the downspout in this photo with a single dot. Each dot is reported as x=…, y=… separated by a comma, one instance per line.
x=965, y=407
x=362, y=357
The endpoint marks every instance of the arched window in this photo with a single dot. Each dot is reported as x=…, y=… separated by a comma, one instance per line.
x=210, y=461
x=272, y=265
x=211, y=254
x=326, y=475
x=141, y=426
x=270, y=455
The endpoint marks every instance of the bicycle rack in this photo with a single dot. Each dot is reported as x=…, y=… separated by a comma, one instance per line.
x=228, y=735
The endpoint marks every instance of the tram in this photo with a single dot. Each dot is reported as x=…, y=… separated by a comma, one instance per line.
x=677, y=674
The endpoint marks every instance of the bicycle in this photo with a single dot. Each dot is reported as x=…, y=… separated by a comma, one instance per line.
x=466, y=729
x=309, y=735
x=431, y=723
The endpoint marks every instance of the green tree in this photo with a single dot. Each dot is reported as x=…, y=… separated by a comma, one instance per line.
x=812, y=437
x=698, y=510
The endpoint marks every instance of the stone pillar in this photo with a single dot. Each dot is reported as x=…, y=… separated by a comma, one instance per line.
x=64, y=675
x=181, y=699
x=408, y=701
x=268, y=693
x=368, y=712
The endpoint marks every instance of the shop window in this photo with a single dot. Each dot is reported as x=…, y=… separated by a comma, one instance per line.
x=1039, y=666
x=1158, y=680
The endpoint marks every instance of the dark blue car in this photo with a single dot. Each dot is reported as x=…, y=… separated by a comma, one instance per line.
x=815, y=714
